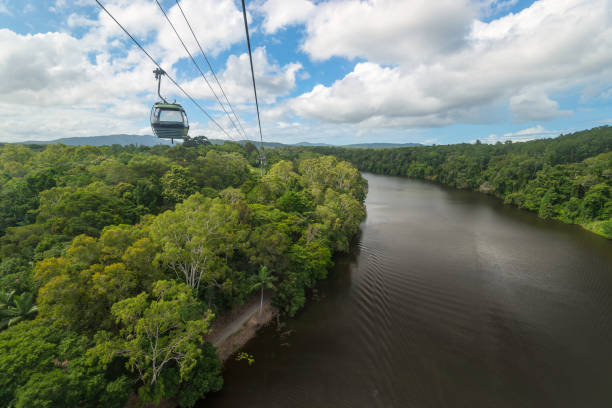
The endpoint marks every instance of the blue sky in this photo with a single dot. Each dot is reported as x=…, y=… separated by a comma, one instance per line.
x=338, y=71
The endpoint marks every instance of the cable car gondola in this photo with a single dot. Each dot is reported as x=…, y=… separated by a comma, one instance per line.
x=168, y=120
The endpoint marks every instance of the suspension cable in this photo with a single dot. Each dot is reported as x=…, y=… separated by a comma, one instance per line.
x=212, y=70
x=198, y=67
x=159, y=66
x=262, y=155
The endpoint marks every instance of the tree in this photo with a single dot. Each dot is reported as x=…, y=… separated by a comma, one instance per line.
x=292, y=201
x=16, y=308
x=220, y=170
x=177, y=184
x=78, y=289
x=43, y=365
x=195, y=141
x=162, y=333
x=263, y=280
x=597, y=203
x=194, y=237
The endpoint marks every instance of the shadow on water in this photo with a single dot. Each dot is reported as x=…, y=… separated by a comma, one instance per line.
x=447, y=299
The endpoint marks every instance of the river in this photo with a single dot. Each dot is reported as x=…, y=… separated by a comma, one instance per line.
x=447, y=299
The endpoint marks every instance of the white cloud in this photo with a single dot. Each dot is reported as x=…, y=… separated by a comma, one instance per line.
x=535, y=105
x=388, y=31
x=57, y=6
x=79, y=20
x=53, y=69
x=524, y=135
x=22, y=123
x=4, y=8
x=517, y=61
x=273, y=81
x=217, y=24
x=281, y=13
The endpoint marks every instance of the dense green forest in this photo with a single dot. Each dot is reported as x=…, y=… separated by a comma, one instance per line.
x=114, y=261
x=568, y=178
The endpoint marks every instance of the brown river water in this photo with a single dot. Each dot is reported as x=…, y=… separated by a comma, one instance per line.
x=447, y=299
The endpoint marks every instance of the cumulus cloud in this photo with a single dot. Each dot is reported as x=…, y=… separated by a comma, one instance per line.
x=282, y=13
x=524, y=135
x=517, y=60
x=388, y=31
x=53, y=69
x=273, y=80
x=535, y=105
x=22, y=123
x=217, y=24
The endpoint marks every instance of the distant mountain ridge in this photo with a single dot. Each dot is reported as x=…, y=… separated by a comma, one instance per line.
x=382, y=145
x=121, y=139
x=149, y=140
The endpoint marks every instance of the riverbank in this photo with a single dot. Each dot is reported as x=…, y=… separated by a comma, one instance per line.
x=567, y=178
x=229, y=333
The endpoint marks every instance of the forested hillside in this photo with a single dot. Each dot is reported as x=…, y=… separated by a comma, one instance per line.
x=568, y=178
x=114, y=260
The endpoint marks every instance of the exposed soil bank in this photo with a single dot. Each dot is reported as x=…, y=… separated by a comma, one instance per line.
x=232, y=332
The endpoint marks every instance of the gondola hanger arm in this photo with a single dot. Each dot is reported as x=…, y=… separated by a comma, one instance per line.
x=158, y=75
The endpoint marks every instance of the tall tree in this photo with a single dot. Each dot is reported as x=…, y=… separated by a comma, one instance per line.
x=263, y=280
x=194, y=237
x=160, y=332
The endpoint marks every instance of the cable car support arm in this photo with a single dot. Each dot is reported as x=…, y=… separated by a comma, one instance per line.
x=158, y=75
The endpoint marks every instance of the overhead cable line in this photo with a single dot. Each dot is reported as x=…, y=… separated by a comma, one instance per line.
x=246, y=28
x=198, y=67
x=159, y=66
x=211, y=69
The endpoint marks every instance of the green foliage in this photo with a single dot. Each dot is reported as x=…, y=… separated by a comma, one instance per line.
x=113, y=242
x=195, y=237
x=262, y=281
x=78, y=289
x=177, y=184
x=205, y=378
x=220, y=170
x=292, y=201
x=195, y=141
x=568, y=178
x=162, y=334
x=16, y=308
x=45, y=366
x=245, y=356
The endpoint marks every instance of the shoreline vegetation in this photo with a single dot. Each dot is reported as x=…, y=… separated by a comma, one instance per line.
x=115, y=262
x=568, y=178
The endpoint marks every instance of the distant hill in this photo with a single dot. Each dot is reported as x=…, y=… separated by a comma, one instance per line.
x=124, y=140
x=149, y=140
x=243, y=142
x=382, y=145
x=310, y=144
